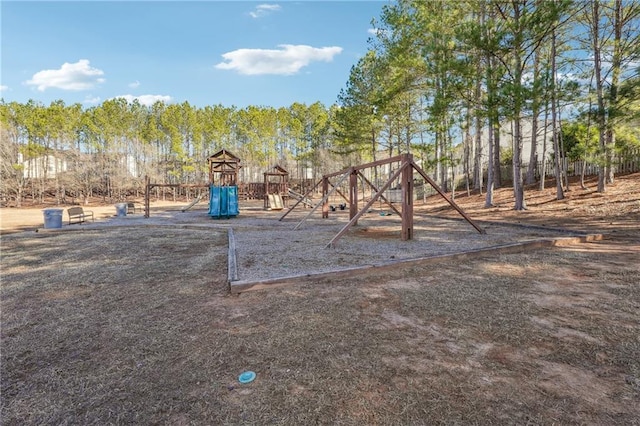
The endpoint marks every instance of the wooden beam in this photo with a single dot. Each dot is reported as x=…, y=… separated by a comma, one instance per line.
x=304, y=197
x=266, y=192
x=369, y=204
x=339, y=192
x=446, y=197
x=339, y=173
x=324, y=199
x=396, y=159
x=368, y=182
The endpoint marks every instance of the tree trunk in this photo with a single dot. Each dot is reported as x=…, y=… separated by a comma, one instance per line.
x=497, y=174
x=597, y=67
x=554, y=121
x=535, y=112
x=565, y=163
x=613, y=91
x=543, y=163
x=477, y=165
x=518, y=104
x=467, y=151
x=518, y=184
x=438, y=155
x=488, y=201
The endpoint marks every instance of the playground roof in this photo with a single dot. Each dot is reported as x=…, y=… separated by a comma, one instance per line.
x=277, y=171
x=224, y=156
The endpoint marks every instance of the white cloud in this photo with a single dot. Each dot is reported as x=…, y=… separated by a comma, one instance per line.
x=3, y=88
x=379, y=33
x=286, y=61
x=146, y=100
x=264, y=9
x=91, y=100
x=78, y=76
x=134, y=85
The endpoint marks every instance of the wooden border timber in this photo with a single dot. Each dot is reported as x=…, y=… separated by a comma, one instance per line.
x=242, y=286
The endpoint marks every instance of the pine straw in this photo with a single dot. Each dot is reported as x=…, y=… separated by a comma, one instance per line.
x=120, y=326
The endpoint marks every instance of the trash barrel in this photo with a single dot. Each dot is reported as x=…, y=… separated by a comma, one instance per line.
x=121, y=209
x=52, y=218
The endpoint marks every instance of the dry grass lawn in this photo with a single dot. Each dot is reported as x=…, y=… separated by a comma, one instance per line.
x=135, y=325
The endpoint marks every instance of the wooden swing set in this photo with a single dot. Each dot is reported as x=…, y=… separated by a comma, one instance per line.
x=150, y=185
x=404, y=173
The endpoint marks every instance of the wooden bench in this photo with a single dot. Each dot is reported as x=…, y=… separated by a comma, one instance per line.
x=78, y=215
x=131, y=207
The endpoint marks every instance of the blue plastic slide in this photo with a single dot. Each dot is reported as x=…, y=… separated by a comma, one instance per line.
x=223, y=201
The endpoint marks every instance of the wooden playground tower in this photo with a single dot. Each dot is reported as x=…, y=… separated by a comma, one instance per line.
x=223, y=171
x=223, y=180
x=223, y=168
x=404, y=173
x=275, y=193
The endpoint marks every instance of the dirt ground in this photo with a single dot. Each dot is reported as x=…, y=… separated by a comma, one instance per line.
x=134, y=324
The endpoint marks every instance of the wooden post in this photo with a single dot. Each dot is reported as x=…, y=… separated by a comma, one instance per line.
x=323, y=201
x=353, y=195
x=325, y=191
x=147, y=195
x=362, y=211
x=407, y=197
x=266, y=191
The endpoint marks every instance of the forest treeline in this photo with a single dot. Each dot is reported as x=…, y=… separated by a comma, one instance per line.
x=454, y=83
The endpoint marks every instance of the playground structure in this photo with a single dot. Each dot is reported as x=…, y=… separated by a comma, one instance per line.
x=223, y=189
x=223, y=179
x=276, y=193
x=192, y=203
x=403, y=173
x=223, y=186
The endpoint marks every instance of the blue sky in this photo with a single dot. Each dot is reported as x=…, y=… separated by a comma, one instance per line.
x=234, y=53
